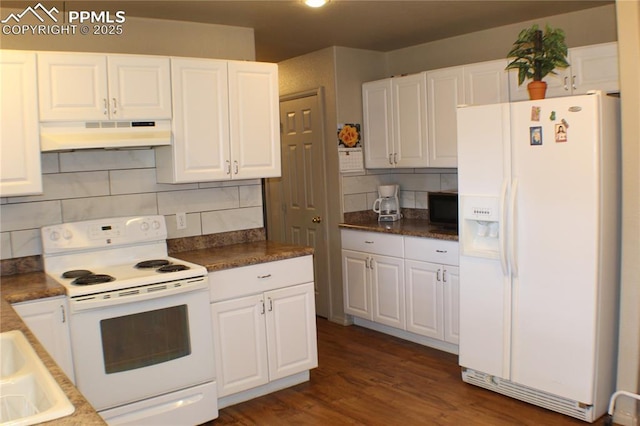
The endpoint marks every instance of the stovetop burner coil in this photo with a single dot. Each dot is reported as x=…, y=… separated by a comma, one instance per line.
x=93, y=279
x=149, y=264
x=76, y=273
x=172, y=268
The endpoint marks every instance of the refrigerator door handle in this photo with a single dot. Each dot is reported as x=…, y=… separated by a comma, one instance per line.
x=503, y=227
x=513, y=256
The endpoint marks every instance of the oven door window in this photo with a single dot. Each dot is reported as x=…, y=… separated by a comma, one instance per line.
x=143, y=339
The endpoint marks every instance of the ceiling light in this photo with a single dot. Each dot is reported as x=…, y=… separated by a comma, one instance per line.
x=315, y=3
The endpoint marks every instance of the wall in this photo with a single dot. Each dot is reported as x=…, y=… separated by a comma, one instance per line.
x=628, y=410
x=92, y=184
x=590, y=26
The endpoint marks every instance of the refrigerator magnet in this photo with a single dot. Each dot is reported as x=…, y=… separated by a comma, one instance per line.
x=535, y=113
x=561, y=133
x=535, y=135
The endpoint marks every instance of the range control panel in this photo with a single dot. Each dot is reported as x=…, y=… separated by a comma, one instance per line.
x=97, y=233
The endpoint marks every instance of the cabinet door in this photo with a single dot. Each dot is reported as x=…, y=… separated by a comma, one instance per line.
x=357, y=289
x=240, y=344
x=72, y=87
x=377, y=124
x=410, y=121
x=47, y=320
x=594, y=68
x=20, y=172
x=200, y=149
x=486, y=83
x=424, y=299
x=139, y=87
x=254, y=118
x=451, y=285
x=387, y=286
x=291, y=330
x=445, y=93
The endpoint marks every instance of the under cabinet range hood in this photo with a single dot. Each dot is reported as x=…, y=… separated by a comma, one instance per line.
x=69, y=136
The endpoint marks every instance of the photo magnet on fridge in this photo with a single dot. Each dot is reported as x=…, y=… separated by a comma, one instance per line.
x=535, y=135
x=561, y=133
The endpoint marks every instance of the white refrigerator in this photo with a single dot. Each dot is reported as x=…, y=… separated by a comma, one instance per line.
x=538, y=185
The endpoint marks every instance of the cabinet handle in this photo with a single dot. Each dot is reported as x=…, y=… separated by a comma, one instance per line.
x=441, y=251
x=438, y=275
x=270, y=304
x=228, y=167
x=263, y=276
x=368, y=242
x=106, y=106
x=444, y=276
x=262, y=304
x=371, y=263
x=395, y=158
x=62, y=314
x=390, y=158
x=235, y=167
x=566, y=85
x=573, y=82
x=115, y=106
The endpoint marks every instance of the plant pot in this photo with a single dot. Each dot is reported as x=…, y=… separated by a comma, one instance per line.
x=537, y=89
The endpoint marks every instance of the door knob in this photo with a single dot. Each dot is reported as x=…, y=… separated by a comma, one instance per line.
x=316, y=219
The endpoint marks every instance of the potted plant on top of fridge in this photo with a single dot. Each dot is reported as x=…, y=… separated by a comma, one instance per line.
x=536, y=54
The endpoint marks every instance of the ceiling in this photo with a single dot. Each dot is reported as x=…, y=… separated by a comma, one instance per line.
x=287, y=28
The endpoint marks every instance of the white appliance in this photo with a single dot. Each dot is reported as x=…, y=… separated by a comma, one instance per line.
x=67, y=136
x=387, y=204
x=140, y=321
x=539, y=242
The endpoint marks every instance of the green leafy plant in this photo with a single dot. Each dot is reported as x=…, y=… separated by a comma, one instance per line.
x=536, y=54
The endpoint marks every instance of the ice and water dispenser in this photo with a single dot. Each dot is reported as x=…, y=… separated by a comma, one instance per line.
x=480, y=233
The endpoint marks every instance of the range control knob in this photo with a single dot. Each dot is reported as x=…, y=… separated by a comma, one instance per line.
x=156, y=224
x=67, y=235
x=54, y=236
x=144, y=226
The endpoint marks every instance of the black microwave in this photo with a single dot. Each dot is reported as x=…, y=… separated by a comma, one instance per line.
x=443, y=209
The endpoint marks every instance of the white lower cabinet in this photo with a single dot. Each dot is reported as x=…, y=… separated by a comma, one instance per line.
x=415, y=292
x=264, y=326
x=48, y=321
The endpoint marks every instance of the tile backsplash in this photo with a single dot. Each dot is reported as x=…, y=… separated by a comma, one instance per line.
x=94, y=184
x=361, y=190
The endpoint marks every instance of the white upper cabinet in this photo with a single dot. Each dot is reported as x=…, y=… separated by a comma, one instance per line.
x=226, y=122
x=20, y=171
x=592, y=67
x=395, y=122
x=475, y=84
x=81, y=87
x=254, y=119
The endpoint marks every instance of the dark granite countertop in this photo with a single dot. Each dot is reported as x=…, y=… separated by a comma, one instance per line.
x=236, y=255
x=410, y=227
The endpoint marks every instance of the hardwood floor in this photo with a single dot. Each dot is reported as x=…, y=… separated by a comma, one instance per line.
x=368, y=378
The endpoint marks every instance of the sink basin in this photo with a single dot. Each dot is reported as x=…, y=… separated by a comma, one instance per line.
x=28, y=392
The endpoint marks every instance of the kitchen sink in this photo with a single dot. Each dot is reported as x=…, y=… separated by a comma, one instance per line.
x=28, y=392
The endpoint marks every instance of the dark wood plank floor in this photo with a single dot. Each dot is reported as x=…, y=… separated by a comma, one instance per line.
x=368, y=378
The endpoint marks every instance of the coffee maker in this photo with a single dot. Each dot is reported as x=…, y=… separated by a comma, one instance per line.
x=387, y=205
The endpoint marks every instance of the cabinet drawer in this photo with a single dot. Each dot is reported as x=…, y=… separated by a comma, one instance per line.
x=373, y=242
x=431, y=250
x=252, y=279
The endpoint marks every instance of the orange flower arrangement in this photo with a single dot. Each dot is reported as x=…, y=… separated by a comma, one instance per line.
x=349, y=135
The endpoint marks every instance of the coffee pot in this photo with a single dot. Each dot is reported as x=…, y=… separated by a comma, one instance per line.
x=387, y=205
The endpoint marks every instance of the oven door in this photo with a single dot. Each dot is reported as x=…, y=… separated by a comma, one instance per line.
x=127, y=351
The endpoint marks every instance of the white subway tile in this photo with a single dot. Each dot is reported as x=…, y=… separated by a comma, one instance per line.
x=106, y=160
x=60, y=186
x=26, y=243
x=136, y=181
x=49, y=162
x=113, y=206
x=359, y=184
x=198, y=200
x=407, y=199
x=21, y=216
x=5, y=245
x=422, y=200
x=232, y=220
x=250, y=196
x=449, y=181
x=194, y=226
x=355, y=203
